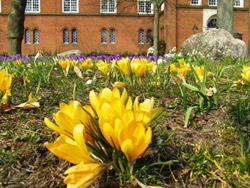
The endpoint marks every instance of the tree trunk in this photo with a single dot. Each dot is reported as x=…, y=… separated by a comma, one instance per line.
x=225, y=16
x=156, y=27
x=16, y=26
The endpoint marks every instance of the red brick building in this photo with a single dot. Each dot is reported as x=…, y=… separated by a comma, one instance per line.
x=113, y=26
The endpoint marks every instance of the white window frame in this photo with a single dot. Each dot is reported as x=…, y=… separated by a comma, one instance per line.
x=195, y=4
x=108, y=2
x=241, y=4
x=144, y=12
x=77, y=9
x=0, y=6
x=212, y=3
x=33, y=11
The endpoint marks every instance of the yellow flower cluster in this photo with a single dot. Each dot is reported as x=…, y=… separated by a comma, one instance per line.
x=136, y=66
x=246, y=73
x=122, y=124
x=5, y=83
x=104, y=67
x=200, y=72
x=182, y=69
x=87, y=64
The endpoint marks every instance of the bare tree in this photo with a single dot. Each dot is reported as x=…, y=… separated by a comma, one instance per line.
x=16, y=26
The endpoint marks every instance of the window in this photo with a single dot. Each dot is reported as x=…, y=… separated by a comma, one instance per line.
x=212, y=2
x=149, y=36
x=145, y=7
x=65, y=36
x=70, y=6
x=104, y=36
x=32, y=6
x=211, y=23
x=27, y=36
x=74, y=36
x=0, y=6
x=108, y=6
x=141, y=36
x=239, y=3
x=36, y=36
x=112, y=36
x=195, y=2
x=162, y=6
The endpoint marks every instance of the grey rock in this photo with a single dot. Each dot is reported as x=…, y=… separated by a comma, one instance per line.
x=70, y=53
x=215, y=44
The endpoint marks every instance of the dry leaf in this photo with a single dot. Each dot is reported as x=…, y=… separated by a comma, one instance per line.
x=6, y=107
x=78, y=72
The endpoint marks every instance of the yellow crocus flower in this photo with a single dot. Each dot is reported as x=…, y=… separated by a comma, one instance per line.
x=200, y=72
x=138, y=67
x=144, y=112
x=151, y=66
x=69, y=116
x=83, y=175
x=134, y=140
x=246, y=73
x=86, y=64
x=123, y=65
x=72, y=149
x=104, y=67
x=5, y=83
x=75, y=151
x=31, y=103
x=119, y=84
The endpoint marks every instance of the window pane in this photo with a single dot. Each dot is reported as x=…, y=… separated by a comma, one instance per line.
x=74, y=5
x=29, y=6
x=237, y=3
x=108, y=6
x=141, y=36
x=149, y=36
x=104, y=36
x=65, y=36
x=211, y=23
x=74, y=36
x=212, y=2
x=36, y=36
x=194, y=2
x=36, y=5
x=112, y=36
x=32, y=6
x=145, y=6
x=27, y=36
x=66, y=5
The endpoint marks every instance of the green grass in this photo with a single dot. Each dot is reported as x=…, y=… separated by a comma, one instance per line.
x=213, y=151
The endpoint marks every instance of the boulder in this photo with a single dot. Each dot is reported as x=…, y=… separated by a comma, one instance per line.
x=70, y=53
x=215, y=43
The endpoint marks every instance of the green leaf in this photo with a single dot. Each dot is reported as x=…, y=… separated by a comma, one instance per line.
x=187, y=115
x=193, y=88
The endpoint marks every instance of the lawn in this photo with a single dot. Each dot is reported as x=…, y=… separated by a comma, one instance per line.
x=199, y=118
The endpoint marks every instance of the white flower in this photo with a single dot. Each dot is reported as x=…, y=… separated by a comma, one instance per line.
x=159, y=61
x=38, y=55
x=90, y=81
